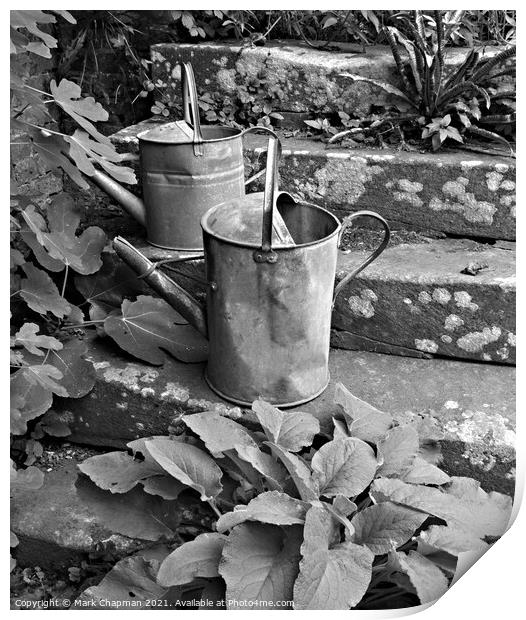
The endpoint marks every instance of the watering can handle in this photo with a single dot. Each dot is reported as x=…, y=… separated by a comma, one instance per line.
x=265, y=254
x=347, y=223
x=191, y=107
x=256, y=129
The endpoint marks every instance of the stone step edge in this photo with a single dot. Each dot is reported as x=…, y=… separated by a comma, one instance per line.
x=446, y=305
x=133, y=399
x=448, y=192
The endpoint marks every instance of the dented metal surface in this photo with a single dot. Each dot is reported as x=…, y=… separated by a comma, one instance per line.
x=269, y=301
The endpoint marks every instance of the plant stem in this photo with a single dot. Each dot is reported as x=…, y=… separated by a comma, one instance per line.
x=65, y=280
x=213, y=506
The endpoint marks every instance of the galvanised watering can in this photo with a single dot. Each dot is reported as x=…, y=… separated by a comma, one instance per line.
x=269, y=302
x=186, y=168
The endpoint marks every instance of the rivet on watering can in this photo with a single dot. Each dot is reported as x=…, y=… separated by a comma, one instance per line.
x=265, y=257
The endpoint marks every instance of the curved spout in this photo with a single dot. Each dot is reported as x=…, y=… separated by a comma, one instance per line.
x=171, y=292
x=128, y=201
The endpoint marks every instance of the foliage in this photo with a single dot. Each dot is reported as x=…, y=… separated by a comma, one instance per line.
x=447, y=104
x=359, y=519
x=252, y=104
x=47, y=356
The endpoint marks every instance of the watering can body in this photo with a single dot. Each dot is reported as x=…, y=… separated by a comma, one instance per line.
x=186, y=168
x=269, y=302
x=179, y=186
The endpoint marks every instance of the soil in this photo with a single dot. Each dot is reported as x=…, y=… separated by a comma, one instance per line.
x=56, y=452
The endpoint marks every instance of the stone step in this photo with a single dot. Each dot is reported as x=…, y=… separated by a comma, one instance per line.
x=453, y=192
x=414, y=300
x=293, y=77
x=472, y=404
x=57, y=528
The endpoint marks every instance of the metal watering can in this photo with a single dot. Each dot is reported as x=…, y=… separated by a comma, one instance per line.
x=186, y=168
x=269, y=303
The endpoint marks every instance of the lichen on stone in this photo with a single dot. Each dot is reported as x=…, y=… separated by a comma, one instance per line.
x=476, y=341
x=426, y=345
x=462, y=202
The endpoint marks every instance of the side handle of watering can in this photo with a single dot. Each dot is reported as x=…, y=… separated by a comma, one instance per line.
x=191, y=106
x=346, y=224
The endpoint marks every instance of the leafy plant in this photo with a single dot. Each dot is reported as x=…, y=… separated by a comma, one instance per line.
x=47, y=356
x=298, y=519
x=447, y=104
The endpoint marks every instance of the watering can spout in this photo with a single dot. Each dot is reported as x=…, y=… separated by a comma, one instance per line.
x=133, y=205
x=187, y=306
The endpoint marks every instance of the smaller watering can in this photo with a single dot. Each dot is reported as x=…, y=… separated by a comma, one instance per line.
x=186, y=168
x=269, y=302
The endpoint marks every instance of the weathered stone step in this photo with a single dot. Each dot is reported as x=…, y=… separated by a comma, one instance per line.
x=472, y=404
x=57, y=528
x=293, y=77
x=453, y=192
x=414, y=299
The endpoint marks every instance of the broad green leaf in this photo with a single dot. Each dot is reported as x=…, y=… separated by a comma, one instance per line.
x=397, y=451
x=188, y=464
x=450, y=539
x=41, y=294
x=132, y=580
x=290, y=430
x=45, y=375
x=344, y=506
x=372, y=428
x=28, y=337
x=81, y=253
x=264, y=464
x=330, y=578
x=340, y=429
x=149, y=326
x=270, y=507
x=55, y=152
x=482, y=514
x=364, y=421
x=343, y=467
x=385, y=526
x=29, y=400
x=197, y=558
x=422, y=472
x=352, y=407
x=30, y=478
x=221, y=434
x=68, y=96
x=77, y=375
x=84, y=151
x=298, y=471
x=30, y=20
x=134, y=514
x=428, y=580
x=111, y=283
x=165, y=486
x=218, y=432
x=260, y=564
x=117, y=472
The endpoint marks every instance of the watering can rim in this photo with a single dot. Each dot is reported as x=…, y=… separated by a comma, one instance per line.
x=253, y=245
x=143, y=135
